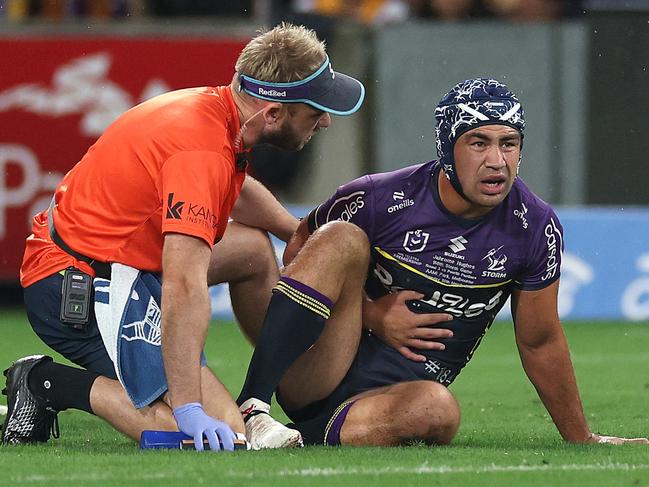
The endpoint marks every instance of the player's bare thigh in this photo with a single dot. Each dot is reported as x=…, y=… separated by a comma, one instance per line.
x=334, y=261
x=401, y=413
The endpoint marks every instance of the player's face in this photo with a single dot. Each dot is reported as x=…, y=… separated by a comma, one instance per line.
x=300, y=124
x=486, y=161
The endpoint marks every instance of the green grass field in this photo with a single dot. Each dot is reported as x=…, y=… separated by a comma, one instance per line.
x=506, y=437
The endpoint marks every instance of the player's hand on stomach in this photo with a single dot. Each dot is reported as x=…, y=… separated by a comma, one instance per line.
x=614, y=440
x=390, y=319
x=193, y=421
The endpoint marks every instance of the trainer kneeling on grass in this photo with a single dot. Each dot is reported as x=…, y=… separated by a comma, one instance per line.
x=377, y=314
x=116, y=271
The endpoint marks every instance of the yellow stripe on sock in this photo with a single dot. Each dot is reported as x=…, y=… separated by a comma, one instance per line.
x=302, y=299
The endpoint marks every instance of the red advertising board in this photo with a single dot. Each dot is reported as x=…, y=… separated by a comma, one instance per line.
x=57, y=96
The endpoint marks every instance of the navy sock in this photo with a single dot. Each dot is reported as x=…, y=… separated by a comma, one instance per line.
x=64, y=387
x=295, y=319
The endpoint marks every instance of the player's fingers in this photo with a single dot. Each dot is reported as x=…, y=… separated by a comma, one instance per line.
x=408, y=295
x=406, y=352
x=431, y=318
x=425, y=344
x=212, y=439
x=424, y=333
x=636, y=441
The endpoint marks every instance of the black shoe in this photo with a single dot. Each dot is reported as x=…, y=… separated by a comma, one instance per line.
x=30, y=419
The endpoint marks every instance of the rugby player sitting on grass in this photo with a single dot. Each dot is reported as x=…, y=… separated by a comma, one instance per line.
x=377, y=314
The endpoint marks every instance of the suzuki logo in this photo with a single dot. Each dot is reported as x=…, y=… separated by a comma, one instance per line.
x=457, y=244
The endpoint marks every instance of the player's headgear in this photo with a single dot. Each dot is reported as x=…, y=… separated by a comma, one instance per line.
x=468, y=105
x=325, y=89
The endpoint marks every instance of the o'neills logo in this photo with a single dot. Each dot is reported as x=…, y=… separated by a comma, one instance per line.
x=401, y=206
x=272, y=93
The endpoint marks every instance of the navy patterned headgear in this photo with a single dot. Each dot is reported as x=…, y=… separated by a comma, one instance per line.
x=468, y=105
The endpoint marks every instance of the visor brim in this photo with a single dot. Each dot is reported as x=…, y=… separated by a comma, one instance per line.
x=344, y=98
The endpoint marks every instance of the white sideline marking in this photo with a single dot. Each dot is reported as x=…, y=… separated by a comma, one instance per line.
x=3, y=410
x=423, y=469
x=443, y=469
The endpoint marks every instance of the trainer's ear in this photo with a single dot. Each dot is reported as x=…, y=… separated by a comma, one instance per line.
x=273, y=113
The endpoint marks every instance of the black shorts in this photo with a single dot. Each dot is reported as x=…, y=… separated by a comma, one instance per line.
x=83, y=347
x=376, y=365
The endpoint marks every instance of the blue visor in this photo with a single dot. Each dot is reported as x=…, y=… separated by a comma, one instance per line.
x=326, y=90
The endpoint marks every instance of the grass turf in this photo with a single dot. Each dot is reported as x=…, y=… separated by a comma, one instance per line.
x=506, y=436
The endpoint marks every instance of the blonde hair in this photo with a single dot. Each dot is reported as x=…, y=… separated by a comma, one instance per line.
x=281, y=55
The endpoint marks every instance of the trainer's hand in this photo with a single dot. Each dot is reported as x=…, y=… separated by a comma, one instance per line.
x=614, y=440
x=390, y=319
x=193, y=421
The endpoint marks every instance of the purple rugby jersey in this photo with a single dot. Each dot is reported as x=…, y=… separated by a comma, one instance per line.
x=466, y=268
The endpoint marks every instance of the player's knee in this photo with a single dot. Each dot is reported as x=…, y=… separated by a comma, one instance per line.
x=437, y=411
x=347, y=240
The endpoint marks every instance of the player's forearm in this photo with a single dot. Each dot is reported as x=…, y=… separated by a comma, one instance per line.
x=185, y=317
x=550, y=370
x=257, y=207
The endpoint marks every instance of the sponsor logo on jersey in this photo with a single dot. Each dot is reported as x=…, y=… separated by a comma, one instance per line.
x=346, y=206
x=398, y=195
x=201, y=215
x=553, y=240
x=496, y=263
x=195, y=213
x=415, y=241
x=457, y=244
x=174, y=210
x=521, y=214
x=272, y=93
x=401, y=206
x=454, y=303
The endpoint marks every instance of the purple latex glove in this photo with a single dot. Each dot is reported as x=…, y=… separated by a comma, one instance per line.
x=193, y=421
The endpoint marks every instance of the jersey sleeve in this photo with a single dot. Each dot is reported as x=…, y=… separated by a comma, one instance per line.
x=194, y=187
x=353, y=202
x=544, y=266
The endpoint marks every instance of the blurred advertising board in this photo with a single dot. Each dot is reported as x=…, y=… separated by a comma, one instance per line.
x=605, y=270
x=58, y=94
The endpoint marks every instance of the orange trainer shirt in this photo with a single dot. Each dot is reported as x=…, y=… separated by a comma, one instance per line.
x=166, y=165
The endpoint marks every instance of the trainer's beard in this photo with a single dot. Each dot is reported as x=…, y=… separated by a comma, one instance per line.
x=285, y=138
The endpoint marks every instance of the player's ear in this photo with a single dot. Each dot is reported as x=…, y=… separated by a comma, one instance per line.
x=273, y=113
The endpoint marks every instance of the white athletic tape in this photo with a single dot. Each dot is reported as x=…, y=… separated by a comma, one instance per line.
x=3, y=410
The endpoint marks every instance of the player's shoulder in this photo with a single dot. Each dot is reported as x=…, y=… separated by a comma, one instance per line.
x=398, y=181
x=525, y=202
x=406, y=174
